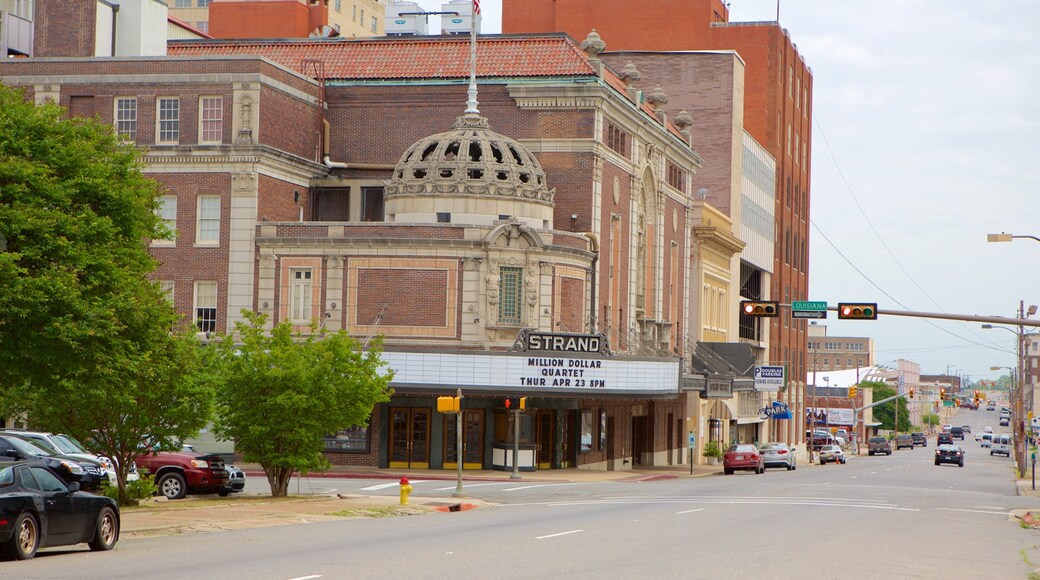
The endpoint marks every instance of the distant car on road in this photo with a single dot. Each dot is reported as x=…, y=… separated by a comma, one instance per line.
x=904, y=440
x=944, y=438
x=742, y=456
x=957, y=433
x=987, y=440
x=1001, y=445
x=919, y=439
x=877, y=445
x=967, y=428
x=949, y=454
x=831, y=453
x=777, y=455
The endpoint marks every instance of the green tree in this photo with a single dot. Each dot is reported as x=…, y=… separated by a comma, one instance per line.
x=930, y=419
x=86, y=346
x=885, y=413
x=279, y=394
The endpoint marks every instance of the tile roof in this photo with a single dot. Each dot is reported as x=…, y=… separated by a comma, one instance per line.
x=408, y=57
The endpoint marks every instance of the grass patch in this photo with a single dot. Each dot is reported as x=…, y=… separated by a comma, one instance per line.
x=371, y=512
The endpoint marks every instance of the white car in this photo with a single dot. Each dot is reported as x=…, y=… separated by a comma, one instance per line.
x=987, y=429
x=987, y=440
x=829, y=453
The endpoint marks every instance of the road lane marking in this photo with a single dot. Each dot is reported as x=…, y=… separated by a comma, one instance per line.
x=559, y=534
x=469, y=485
x=751, y=497
x=689, y=511
x=306, y=577
x=538, y=485
x=821, y=503
x=392, y=484
x=973, y=511
x=854, y=477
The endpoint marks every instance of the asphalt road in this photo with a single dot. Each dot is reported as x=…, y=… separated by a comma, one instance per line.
x=874, y=517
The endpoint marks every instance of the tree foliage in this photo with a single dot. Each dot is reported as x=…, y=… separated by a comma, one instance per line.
x=930, y=419
x=279, y=394
x=886, y=412
x=86, y=346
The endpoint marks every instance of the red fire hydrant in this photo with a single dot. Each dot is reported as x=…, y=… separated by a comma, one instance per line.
x=406, y=488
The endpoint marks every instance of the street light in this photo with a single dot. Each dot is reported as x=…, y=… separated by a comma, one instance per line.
x=1018, y=394
x=1003, y=237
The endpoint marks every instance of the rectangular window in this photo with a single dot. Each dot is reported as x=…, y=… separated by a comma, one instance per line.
x=203, y=3
x=339, y=6
x=349, y=440
x=788, y=139
x=587, y=427
x=617, y=139
x=168, y=214
x=353, y=15
x=373, y=24
x=167, y=287
x=603, y=429
x=126, y=118
x=510, y=295
x=676, y=177
x=362, y=22
x=182, y=4
x=300, y=294
x=211, y=119
x=372, y=204
x=169, y=119
x=202, y=25
x=208, y=227
x=206, y=306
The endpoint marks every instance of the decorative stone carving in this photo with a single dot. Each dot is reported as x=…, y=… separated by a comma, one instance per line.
x=593, y=44
x=335, y=262
x=531, y=288
x=492, y=286
x=545, y=268
x=617, y=189
x=471, y=264
x=245, y=181
x=245, y=134
x=683, y=120
x=266, y=261
x=630, y=74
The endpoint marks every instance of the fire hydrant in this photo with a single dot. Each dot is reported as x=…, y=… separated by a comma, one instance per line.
x=406, y=488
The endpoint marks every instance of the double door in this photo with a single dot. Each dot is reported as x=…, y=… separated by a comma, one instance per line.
x=410, y=437
x=472, y=440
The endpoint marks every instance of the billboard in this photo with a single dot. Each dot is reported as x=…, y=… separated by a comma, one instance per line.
x=828, y=416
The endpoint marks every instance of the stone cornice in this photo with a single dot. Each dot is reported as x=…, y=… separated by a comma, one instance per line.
x=718, y=237
x=217, y=159
x=324, y=244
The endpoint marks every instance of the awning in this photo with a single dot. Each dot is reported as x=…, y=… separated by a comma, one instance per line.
x=877, y=424
x=749, y=420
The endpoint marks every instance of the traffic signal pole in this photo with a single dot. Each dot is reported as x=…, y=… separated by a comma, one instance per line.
x=458, y=448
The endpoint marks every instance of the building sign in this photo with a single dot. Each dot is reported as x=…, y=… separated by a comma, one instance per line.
x=563, y=342
x=776, y=410
x=718, y=389
x=516, y=373
x=769, y=378
x=829, y=416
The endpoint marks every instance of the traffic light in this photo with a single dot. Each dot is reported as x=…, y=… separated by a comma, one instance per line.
x=852, y=392
x=942, y=393
x=760, y=309
x=857, y=311
x=514, y=403
x=911, y=392
x=448, y=404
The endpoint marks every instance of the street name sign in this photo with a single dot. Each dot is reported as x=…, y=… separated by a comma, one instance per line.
x=808, y=309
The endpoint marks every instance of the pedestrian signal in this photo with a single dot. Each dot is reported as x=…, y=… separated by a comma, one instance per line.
x=514, y=403
x=852, y=392
x=857, y=311
x=760, y=309
x=447, y=404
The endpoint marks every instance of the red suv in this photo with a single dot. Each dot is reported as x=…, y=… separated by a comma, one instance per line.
x=178, y=474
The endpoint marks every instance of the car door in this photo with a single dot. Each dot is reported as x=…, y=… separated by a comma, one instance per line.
x=66, y=514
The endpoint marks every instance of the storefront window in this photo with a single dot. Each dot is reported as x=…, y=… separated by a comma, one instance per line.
x=504, y=428
x=587, y=426
x=602, y=429
x=351, y=440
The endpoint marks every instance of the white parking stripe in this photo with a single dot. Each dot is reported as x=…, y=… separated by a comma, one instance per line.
x=469, y=485
x=559, y=534
x=306, y=577
x=689, y=511
x=973, y=511
x=538, y=485
x=391, y=484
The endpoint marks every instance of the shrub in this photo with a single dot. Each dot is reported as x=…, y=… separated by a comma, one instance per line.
x=712, y=449
x=142, y=488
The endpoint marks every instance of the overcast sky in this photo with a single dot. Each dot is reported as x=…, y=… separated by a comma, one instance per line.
x=925, y=139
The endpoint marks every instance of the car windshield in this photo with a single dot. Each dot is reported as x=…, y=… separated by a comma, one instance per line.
x=28, y=447
x=742, y=448
x=772, y=446
x=68, y=444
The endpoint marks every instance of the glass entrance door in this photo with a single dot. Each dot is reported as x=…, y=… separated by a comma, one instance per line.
x=409, y=438
x=472, y=440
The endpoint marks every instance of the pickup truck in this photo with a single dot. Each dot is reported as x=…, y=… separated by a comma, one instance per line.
x=878, y=445
x=180, y=473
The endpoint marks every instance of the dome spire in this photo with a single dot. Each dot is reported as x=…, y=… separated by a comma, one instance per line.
x=471, y=104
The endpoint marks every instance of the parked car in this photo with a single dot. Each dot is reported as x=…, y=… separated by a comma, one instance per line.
x=36, y=504
x=1001, y=445
x=878, y=445
x=919, y=439
x=944, y=438
x=777, y=455
x=818, y=440
x=88, y=473
x=949, y=454
x=957, y=433
x=742, y=456
x=904, y=440
x=61, y=444
x=236, y=481
x=178, y=474
x=829, y=453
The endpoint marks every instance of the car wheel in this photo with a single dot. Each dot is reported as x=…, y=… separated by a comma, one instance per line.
x=224, y=492
x=937, y=462
x=25, y=539
x=790, y=467
x=106, y=531
x=727, y=471
x=962, y=463
x=172, y=485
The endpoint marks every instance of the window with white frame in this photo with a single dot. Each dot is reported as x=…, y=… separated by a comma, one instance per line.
x=126, y=118
x=373, y=24
x=207, y=230
x=182, y=4
x=167, y=287
x=167, y=211
x=211, y=119
x=169, y=119
x=206, y=306
x=300, y=293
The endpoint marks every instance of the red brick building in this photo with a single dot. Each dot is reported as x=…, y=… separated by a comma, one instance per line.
x=777, y=112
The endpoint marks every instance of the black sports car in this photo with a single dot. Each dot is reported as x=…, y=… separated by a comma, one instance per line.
x=949, y=454
x=39, y=510
x=87, y=472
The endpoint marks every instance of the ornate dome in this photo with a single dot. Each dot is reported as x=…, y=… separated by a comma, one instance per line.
x=452, y=172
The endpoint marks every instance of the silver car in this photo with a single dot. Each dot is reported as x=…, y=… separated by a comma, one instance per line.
x=778, y=455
